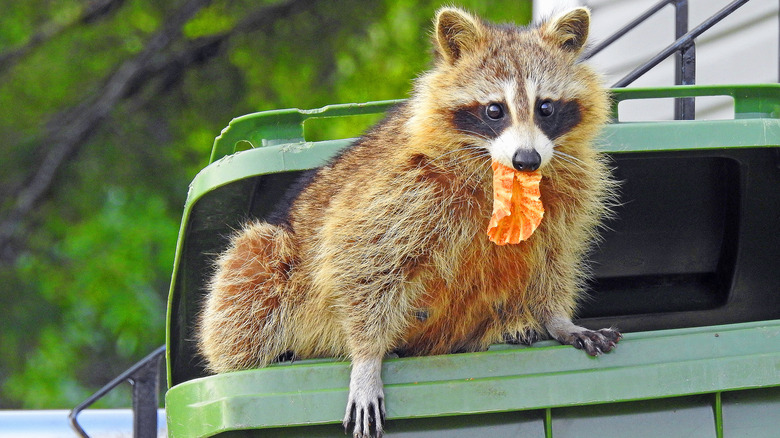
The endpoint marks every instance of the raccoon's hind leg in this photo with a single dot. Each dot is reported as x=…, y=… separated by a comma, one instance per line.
x=242, y=324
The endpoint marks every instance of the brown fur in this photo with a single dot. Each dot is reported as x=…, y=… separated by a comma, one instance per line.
x=386, y=248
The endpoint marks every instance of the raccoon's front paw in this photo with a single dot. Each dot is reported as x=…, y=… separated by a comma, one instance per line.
x=595, y=342
x=366, y=404
x=368, y=416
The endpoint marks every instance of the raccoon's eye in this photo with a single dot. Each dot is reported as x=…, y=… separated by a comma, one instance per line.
x=494, y=111
x=546, y=108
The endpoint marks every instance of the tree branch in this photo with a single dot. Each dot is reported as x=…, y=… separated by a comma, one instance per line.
x=201, y=50
x=91, y=13
x=67, y=133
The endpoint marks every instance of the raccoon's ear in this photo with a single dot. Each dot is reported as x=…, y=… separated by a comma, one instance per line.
x=457, y=32
x=569, y=30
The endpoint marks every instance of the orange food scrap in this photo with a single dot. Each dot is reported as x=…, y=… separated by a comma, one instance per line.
x=517, y=209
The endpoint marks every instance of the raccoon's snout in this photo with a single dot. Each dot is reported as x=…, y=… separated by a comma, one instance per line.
x=526, y=160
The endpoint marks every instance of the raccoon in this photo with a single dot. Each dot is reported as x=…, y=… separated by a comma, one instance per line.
x=383, y=250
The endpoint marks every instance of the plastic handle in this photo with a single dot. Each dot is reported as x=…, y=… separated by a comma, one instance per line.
x=268, y=127
x=750, y=101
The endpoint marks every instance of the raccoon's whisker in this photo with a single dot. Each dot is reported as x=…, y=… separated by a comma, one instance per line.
x=469, y=153
x=480, y=155
x=569, y=159
x=474, y=174
x=467, y=149
x=553, y=171
x=574, y=165
x=476, y=134
x=557, y=152
x=484, y=123
x=562, y=157
x=472, y=150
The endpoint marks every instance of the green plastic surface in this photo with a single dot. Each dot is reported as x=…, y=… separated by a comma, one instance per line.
x=650, y=365
x=703, y=381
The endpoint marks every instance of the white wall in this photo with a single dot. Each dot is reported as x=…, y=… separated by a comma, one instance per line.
x=741, y=49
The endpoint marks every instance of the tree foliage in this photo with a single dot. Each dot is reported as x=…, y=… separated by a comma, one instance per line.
x=108, y=108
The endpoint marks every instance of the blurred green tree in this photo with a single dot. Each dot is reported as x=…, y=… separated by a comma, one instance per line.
x=108, y=108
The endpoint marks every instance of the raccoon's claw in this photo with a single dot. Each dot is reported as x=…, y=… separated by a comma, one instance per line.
x=366, y=403
x=595, y=342
x=525, y=337
x=364, y=418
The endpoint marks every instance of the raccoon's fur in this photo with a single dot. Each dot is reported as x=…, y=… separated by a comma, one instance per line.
x=384, y=249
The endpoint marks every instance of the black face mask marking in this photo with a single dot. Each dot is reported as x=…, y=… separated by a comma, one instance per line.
x=556, y=117
x=486, y=121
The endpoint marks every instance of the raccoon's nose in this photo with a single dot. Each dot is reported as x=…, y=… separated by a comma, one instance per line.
x=526, y=160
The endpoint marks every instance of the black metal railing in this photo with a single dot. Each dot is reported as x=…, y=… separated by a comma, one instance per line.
x=684, y=47
x=145, y=378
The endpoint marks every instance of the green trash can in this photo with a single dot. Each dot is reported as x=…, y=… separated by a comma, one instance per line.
x=688, y=270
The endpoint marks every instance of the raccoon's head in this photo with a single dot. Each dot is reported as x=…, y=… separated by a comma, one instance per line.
x=519, y=93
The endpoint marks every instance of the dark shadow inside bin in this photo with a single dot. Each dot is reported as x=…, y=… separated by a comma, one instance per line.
x=673, y=242
x=213, y=219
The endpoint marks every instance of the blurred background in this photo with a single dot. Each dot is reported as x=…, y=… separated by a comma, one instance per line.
x=108, y=109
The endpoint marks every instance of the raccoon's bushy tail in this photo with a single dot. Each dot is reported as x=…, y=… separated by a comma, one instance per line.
x=242, y=322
